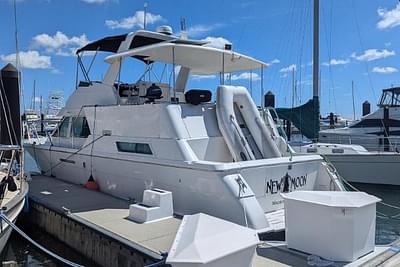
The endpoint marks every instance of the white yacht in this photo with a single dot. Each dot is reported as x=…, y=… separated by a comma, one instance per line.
x=356, y=164
x=370, y=131
x=216, y=157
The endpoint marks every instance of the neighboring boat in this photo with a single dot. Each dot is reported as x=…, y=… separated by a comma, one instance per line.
x=215, y=157
x=373, y=131
x=355, y=164
x=13, y=189
x=334, y=121
x=37, y=124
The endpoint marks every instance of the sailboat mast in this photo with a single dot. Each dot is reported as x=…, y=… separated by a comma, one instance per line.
x=34, y=95
x=316, y=50
x=316, y=72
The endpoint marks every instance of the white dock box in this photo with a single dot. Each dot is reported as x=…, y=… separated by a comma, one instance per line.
x=338, y=226
x=206, y=241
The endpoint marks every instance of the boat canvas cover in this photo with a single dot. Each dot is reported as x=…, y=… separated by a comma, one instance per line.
x=201, y=60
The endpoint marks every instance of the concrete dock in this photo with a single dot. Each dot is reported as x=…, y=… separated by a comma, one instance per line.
x=96, y=225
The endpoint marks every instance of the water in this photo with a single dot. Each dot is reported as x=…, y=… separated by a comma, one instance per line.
x=387, y=229
x=25, y=254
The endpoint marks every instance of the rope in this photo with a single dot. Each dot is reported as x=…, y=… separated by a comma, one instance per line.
x=72, y=154
x=160, y=262
x=52, y=254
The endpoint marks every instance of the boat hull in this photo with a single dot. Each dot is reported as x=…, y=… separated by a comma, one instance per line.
x=196, y=186
x=372, y=168
x=13, y=209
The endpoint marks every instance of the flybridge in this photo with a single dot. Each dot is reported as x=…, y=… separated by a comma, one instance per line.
x=157, y=47
x=177, y=59
x=140, y=38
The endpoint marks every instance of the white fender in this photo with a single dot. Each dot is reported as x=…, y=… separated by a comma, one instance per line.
x=227, y=97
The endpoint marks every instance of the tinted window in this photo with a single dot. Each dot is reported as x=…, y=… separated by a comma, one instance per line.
x=62, y=130
x=138, y=148
x=80, y=127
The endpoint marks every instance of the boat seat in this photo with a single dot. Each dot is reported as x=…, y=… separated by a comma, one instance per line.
x=153, y=92
x=197, y=96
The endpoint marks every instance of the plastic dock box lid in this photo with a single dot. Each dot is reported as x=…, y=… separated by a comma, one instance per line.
x=338, y=226
x=203, y=240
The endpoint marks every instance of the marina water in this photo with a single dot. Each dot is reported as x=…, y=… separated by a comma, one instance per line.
x=25, y=254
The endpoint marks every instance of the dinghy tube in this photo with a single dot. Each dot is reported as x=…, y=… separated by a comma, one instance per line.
x=242, y=127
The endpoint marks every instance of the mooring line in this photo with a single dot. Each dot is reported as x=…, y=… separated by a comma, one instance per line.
x=52, y=254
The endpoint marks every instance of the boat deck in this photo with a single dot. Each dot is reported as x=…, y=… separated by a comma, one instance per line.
x=104, y=213
x=108, y=215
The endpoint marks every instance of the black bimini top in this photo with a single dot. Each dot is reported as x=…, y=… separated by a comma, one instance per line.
x=112, y=43
x=107, y=44
x=141, y=38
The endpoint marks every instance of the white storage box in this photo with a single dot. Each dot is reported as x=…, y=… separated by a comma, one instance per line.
x=339, y=226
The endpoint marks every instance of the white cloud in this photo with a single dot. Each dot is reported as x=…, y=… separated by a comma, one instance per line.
x=274, y=61
x=217, y=42
x=59, y=44
x=389, y=18
x=55, y=71
x=136, y=20
x=30, y=59
x=373, y=54
x=198, y=30
x=246, y=76
x=384, y=70
x=289, y=68
x=334, y=62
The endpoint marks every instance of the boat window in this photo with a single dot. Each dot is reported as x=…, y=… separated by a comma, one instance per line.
x=80, y=127
x=387, y=99
x=138, y=148
x=62, y=130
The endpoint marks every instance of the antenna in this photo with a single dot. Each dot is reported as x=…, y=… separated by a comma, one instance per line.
x=352, y=94
x=183, y=24
x=184, y=34
x=41, y=105
x=145, y=15
x=34, y=95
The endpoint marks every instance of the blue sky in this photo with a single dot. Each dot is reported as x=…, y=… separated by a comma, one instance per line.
x=359, y=42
